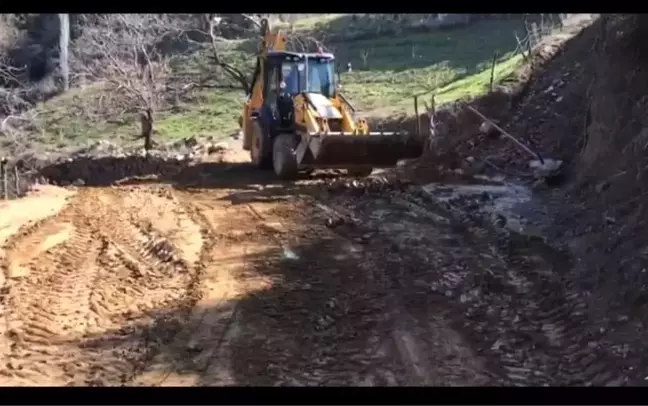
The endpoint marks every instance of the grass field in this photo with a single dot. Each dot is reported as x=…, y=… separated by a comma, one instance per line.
x=387, y=71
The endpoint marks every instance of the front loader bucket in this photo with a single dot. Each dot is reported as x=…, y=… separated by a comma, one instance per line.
x=374, y=150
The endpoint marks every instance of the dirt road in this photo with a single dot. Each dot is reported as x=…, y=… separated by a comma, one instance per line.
x=234, y=280
x=152, y=285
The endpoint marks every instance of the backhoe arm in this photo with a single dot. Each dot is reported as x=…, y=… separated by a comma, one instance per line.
x=271, y=41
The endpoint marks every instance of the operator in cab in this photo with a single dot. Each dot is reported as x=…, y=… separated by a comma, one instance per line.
x=290, y=79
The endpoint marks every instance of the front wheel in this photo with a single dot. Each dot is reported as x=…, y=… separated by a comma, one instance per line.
x=260, y=153
x=284, y=158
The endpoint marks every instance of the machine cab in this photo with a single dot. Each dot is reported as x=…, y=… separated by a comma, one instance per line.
x=294, y=73
x=289, y=74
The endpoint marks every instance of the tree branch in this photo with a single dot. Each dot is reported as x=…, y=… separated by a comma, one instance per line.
x=233, y=72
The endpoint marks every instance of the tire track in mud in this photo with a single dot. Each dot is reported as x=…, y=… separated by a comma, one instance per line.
x=319, y=324
x=184, y=360
x=85, y=308
x=200, y=355
x=296, y=305
x=267, y=318
x=510, y=299
x=556, y=313
x=419, y=333
x=39, y=319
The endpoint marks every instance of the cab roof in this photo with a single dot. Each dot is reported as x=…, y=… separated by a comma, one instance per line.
x=299, y=55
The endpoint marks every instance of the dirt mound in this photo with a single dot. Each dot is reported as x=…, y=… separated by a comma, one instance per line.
x=609, y=187
x=585, y=105
x=106, y=171
x=589, y=109
x=544, y=105
x=546, y=97
x=104, y=163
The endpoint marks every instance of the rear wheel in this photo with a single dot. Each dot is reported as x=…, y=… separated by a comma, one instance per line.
x=260, y=152
x=361, y=172
x=284, y=159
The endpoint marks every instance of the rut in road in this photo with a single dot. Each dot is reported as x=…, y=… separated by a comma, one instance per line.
x=81, y=285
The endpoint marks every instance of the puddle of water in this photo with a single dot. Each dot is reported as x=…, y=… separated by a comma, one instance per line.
x=496, y=178
x=288, y=253
x=502, y=200
x=505, y=195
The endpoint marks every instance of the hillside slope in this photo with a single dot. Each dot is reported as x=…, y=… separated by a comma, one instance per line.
x=201, y=100
x=586, y=106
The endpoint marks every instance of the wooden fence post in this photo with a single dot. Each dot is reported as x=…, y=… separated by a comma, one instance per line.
x=3, y=175
x=418, y=119
x=17, y=180
x=492, y=77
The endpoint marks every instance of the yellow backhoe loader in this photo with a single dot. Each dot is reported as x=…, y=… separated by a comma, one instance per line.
x=296, y=119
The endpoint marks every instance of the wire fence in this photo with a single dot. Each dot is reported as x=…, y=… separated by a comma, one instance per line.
x=536, y=31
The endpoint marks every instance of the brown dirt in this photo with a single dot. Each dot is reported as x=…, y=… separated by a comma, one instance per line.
x=235, y=279
x=95, y=268
x=224, y=282
x=586, y=106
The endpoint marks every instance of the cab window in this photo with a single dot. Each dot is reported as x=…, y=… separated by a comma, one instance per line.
x=290, y=77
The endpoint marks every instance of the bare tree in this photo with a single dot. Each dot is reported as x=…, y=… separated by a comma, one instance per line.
x=235, y=73
x=9, y=75
x=302, y=42
x=16, y=116
x=294, y=41
x=364, y=55
x=15, y=108
x=121, y=50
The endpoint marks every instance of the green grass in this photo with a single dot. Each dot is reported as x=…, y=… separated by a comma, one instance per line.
x=455, y=62
x=478, y=83
x=385, y=94
x=69, y=120
x=74, y=118
x=215, y=115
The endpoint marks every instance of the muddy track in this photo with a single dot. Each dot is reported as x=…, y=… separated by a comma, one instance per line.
x=81, y=285
x=507, y=293
x=288, y=301
x=198, y=354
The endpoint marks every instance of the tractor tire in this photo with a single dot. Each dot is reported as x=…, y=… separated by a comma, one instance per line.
x=284, y=159
x=261, y=150
x=361, y=172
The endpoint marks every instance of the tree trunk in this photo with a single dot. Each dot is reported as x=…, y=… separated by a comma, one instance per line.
x=3, y=177
x=146, y=119
x=64, y=42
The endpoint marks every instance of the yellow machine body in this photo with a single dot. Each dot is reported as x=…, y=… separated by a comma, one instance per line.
x=326, y=135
